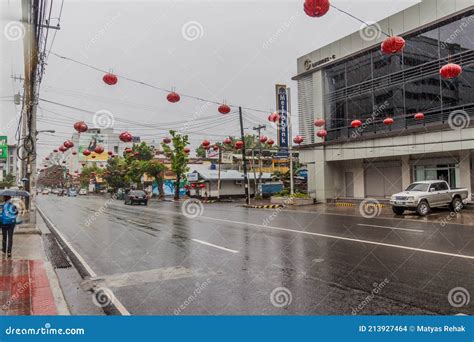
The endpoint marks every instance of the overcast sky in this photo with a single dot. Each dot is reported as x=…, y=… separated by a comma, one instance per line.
x=220, y=50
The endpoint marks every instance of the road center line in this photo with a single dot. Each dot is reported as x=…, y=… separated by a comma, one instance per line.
x=388, y=227
x=344, y=238
x=216, y=246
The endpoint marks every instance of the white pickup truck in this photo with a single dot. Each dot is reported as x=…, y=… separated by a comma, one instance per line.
x=424, y=195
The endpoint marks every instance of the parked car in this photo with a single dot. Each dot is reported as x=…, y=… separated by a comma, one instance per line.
x=422, y=196
x=46, y=191
x=83, y=192
x=136, y=196
x=72, y=193
x=55, y=191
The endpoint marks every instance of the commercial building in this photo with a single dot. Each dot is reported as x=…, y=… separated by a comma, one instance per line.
x=352, y=79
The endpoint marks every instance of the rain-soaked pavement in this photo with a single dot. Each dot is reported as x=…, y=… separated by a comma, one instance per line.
x=232, y=260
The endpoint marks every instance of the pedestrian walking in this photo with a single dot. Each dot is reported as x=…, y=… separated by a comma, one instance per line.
x=9, y=214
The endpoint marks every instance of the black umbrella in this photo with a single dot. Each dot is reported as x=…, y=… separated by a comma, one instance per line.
x=14, y=193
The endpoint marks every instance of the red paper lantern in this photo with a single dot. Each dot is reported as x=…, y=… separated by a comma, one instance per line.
x=239, y=144
x=227, y=141
x=216, y=147
x=202, y=185
x=167, y=140
x=224, y=109
x=98, y=149
x=186, y=150
x=62, y=149
x=46, y=158
x=319, y=122
x=68, y=144
x=193, y=185
x=274, y=117
x=128, y=150
x=64, y=162
x=392, y=45
x=263, y=139
x=186, y=187
x=356, y=123
x=298, y=139
x=80, y=126
x=173, y=97
x=74, y=153
x=86, y=152
x=55, y=151
x=125, y=137
x=450, y=70
x=45, y=165
x=419, y=116
x=93, y=156
x=205, y=143
x=322, y=133
x=270, y=142
x=110, y=153
x=110, y=79
x=316, y=8
x=388, y=121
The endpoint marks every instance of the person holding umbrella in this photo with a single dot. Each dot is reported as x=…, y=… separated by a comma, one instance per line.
x=9, y=214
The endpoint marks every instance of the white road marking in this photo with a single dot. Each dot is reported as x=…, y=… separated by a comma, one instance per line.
x=216, y=246
x=117, y=303
x=345, y=238
x=388, y=227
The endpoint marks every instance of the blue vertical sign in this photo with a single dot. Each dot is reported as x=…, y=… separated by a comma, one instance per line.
x=282, y=109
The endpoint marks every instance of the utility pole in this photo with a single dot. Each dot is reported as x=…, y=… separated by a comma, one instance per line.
x=259, y=129
x=244, y=159
x=219, y=174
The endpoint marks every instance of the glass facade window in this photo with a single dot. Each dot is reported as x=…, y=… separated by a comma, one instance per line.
x=402, y=84
x=446, y=172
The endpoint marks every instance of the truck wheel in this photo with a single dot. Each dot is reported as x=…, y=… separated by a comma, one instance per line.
x=423, y=208
x=398, y=210
x=456, y=204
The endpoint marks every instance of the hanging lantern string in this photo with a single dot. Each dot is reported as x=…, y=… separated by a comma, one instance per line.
x=360, y=20
x=153, y=86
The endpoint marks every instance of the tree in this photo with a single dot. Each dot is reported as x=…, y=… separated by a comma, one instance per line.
x=8, y=181
x=156, y=169
x=87, y=173
x=179, y=159
x=115, y=173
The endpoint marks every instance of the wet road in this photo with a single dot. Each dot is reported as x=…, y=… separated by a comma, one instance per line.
x=232, y=260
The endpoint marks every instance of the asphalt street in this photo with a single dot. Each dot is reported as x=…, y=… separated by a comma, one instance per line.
x=224, y=259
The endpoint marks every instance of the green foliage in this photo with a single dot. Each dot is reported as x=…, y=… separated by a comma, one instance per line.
x=87, y=172
x=286, y=193
x=115, y=173
x=8, y=181
x=156, y=169
x=179, y=159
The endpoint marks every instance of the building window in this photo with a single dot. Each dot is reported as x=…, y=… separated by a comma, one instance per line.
x=445, y=172
x=402, y=84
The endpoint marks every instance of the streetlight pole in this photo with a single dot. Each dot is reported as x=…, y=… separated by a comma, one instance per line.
x=258, y=129
x=244, y=159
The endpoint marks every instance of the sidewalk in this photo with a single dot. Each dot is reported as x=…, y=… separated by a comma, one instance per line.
x=28, y=283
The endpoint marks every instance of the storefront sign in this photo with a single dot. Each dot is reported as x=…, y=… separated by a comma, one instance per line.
x=3, y=147
x=282, y=109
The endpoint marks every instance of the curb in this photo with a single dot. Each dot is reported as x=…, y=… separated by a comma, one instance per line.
x=352, y=204
x=265, y=206
x=115, y=307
